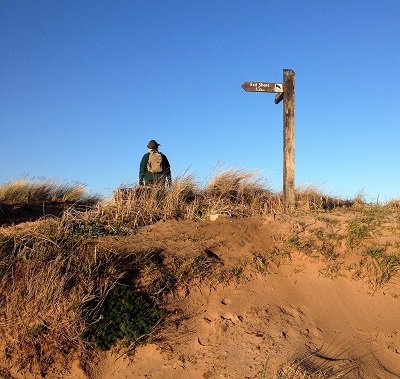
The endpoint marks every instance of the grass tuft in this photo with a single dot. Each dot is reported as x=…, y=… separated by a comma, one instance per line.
x=319, y=365
x=23, y=191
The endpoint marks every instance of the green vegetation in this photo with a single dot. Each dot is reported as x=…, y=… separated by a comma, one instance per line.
x=365, y=226
x=122, y=316
x=357, y=231
x=375, y=251
x=377, y=266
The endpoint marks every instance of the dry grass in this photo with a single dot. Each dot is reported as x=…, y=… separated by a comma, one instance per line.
x=239, y=193
x=236, y=193
x=394, y=204
x=144, y=205
x=38, y=300
x=24, y=191
x=311, y=198
x=318, y=365
x=297, y=371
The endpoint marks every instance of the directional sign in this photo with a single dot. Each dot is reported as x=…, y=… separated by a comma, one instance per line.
x=278, y=98
x=262, y=87
x=284, y=91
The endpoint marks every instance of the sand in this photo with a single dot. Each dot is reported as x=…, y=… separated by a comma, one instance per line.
x=250, y=327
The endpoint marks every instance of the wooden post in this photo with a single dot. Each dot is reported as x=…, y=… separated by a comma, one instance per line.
x=285, y=92
x=288, y=139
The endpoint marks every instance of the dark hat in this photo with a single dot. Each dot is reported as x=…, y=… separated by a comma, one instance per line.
x=153, y=144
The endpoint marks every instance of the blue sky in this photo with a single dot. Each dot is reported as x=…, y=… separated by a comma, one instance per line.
x=86, y=84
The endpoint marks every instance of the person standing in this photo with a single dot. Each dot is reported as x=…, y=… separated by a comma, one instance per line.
x=154, y=166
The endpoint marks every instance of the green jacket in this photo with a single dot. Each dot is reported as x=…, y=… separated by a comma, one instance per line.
x=148, y=177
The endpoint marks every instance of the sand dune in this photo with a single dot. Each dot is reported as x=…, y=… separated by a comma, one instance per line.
x=249, y=327
x=283, y=290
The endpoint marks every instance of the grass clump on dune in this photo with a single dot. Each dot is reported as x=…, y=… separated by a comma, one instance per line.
x=239, y=193
x=236, y=193
x=311, y=198
x=25, y=191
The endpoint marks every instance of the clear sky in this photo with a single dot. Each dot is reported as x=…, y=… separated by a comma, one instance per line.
x=85, y=84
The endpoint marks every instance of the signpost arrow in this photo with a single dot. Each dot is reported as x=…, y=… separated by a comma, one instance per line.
x=278, y=98
x=262, y=87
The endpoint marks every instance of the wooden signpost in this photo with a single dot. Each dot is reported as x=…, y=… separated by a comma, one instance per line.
x=285, y=92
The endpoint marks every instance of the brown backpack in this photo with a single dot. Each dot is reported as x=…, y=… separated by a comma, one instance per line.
x=154, y=164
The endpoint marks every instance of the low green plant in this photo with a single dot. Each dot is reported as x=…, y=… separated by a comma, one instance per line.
x=365, y=226
x=329, y=235
x=125, y=316
x=357, y=230
x=375, y=251
x=390, y=263
x=377, y=267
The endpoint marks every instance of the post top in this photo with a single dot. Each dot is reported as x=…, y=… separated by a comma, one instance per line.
x=288, y=71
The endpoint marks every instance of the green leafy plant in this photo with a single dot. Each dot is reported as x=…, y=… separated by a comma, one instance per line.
x=123, y=316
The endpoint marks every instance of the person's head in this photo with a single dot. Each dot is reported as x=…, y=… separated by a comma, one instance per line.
x=153, y=145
